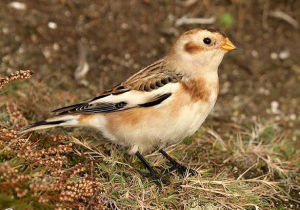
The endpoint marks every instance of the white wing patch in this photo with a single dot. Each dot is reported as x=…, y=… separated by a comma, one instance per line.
x=134, y=97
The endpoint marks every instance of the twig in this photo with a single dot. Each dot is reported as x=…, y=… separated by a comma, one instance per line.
x=188, y=3
x=265, y=14
x=83, y=66
x=283, y=16
x=187, y=21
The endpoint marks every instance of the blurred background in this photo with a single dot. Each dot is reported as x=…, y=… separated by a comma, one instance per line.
x=79, y=48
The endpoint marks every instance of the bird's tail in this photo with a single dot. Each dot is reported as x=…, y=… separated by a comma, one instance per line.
x=64, y=120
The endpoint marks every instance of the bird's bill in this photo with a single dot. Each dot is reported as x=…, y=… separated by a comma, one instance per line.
x=228, y=46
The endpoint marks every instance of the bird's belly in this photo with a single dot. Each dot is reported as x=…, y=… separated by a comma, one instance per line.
x=155, y=127
x=188, y=121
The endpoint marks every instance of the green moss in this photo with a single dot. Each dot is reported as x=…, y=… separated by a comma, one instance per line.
x=226, y=20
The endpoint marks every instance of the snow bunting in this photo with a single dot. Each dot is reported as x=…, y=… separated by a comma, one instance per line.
x=158, y=106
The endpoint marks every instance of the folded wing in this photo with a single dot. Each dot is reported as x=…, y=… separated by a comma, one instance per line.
x=149, y=87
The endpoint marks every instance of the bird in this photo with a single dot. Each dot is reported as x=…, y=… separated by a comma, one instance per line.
x=159, y=105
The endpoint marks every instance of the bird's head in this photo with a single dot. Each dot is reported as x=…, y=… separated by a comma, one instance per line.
x=201, y=48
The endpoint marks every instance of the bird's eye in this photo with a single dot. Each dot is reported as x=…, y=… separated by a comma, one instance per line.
x=207, y=40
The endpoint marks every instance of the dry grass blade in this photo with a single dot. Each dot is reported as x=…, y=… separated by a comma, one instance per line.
x=217, y=137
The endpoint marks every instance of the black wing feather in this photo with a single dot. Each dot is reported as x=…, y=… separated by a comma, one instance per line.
x=87, y=108
x=102, y=107
x=157, y=100
x=67, y=108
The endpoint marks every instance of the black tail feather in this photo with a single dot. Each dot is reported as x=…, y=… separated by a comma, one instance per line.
x=41, y=123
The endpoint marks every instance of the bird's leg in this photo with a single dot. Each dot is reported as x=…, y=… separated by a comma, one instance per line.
x=180, y=168
x=153, y=173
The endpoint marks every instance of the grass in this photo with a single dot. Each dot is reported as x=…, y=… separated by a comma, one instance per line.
x=240, y=167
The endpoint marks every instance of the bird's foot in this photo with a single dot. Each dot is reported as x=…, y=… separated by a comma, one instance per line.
x=183, y=171
x=157, y=178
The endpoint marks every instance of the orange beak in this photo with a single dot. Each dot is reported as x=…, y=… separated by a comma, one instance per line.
x=228, y=46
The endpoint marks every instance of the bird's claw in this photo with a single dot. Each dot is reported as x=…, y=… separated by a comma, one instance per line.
x=183, y=171
x=156, y=177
